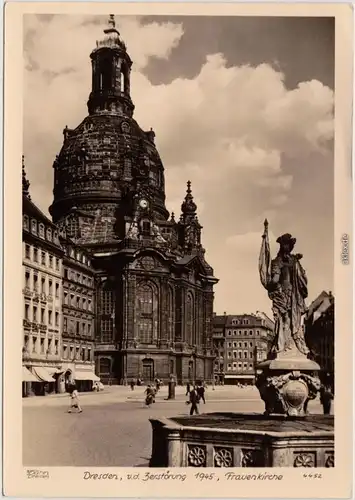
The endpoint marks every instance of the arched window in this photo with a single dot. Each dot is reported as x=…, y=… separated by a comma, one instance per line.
x=72, y=226
x=170, y=309
x=106, y=73
x=106, y=313
x=34, y=226
x=145, y=227
x=122, y=82
x=190, y=330
x=146, y=308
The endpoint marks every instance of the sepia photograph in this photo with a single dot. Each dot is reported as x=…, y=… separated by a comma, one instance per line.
x=178, y=284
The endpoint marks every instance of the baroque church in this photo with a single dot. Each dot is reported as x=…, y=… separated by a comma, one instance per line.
x=154, y=288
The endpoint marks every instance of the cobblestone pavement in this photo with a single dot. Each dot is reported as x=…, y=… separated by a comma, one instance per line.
x=112, y=430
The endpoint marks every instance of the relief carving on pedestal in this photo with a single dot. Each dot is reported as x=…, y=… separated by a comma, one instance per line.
x=196, y=456
x=252, y=458
x=223, y=457
x=305, y=459
x=329, y=461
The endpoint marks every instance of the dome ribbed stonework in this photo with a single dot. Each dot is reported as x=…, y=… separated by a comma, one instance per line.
x=108, y=152
x=102, y=155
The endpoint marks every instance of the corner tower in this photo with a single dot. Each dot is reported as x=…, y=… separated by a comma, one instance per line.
x=101, y=159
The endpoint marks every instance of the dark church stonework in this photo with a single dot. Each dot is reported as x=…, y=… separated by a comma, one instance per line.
x=154, y=287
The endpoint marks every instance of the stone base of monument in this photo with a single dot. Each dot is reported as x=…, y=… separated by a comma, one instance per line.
x=243, y=440
x=287, y=383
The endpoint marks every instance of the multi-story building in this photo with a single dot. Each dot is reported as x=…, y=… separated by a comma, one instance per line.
x=155, y=288
x=219, y=338
x=78, y=301
x=42, y=295
x=269, y=325
x=319, y=332
x=246, y=343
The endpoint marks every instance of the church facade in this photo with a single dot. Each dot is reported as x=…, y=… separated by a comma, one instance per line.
x=154, y=287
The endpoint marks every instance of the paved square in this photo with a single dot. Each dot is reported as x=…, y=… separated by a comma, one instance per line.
x=113, y=430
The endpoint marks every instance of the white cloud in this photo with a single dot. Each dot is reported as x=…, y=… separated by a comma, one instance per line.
x=228, y=129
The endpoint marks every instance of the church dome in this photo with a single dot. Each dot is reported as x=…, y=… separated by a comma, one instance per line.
x=102, y=157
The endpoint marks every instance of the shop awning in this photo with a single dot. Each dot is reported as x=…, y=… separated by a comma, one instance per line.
x=52, y=370
x=86, y=376
x=28, y=376
x=42, y=374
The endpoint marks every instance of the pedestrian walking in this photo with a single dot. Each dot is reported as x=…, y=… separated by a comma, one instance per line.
x=201, y=392
x=74, y=400
x=326, y=396
x=194, y=400
x=150, y=396
x=132, y=385
x=187, y=388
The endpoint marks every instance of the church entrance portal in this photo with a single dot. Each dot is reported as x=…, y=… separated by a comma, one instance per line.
x=148, y=370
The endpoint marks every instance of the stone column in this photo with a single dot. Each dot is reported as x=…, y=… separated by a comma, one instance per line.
x=183, y=313
x=208, y=319
x=281, y=457
x=124, y=369
x=174, y=449
x=128, y=81
x=94, y=82
x=178, y=314
x=163, y=313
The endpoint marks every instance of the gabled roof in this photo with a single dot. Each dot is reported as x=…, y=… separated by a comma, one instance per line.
x=319, y=306
x=29, y=208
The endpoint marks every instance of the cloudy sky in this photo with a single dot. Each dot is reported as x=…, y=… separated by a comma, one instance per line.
x=241, y=106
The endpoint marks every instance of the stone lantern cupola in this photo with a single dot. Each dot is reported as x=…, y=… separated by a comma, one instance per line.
x=111, y=72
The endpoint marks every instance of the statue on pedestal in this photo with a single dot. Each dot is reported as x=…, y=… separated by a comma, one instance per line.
x=287, y=381
x=286, y=283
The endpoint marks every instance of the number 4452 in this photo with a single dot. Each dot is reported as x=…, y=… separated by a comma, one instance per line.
x=312, y=476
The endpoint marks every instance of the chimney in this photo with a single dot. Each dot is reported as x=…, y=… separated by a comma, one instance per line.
x=224, y=314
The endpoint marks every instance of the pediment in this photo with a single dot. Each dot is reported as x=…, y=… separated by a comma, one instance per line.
x=149, y=261
x=196, y=266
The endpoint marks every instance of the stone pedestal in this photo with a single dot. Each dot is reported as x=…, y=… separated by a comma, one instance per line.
x=172, y=385
x=243, y=440
x=287, y=383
